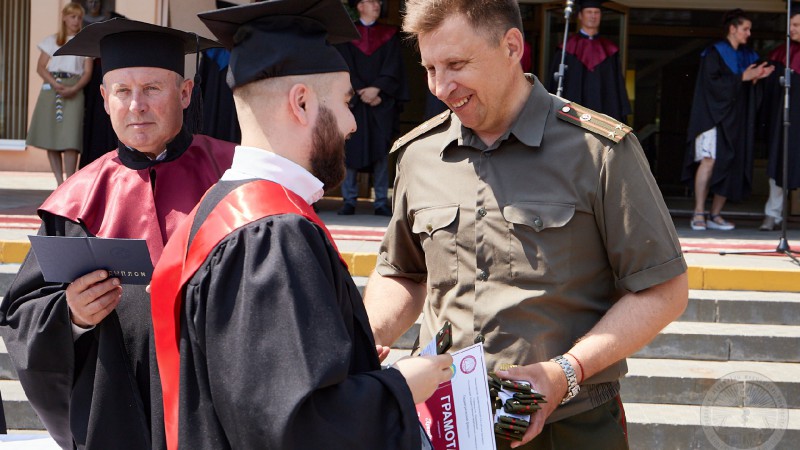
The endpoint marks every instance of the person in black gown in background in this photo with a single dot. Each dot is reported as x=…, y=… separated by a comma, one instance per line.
x=720, y=138
x=378, y=76
x=98, y=134
x=594, y=76
x=772, y=114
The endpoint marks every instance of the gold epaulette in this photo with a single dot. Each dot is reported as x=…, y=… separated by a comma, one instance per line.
x=424, y=127
x=593, y=121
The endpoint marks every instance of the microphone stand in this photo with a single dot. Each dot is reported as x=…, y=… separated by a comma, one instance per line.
x=561, y=67
x=786, y=82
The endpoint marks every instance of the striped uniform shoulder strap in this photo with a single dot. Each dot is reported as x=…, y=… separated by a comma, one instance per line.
x=593, y=121
x=423, y=128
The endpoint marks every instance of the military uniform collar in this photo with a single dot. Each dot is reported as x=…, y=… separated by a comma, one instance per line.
x=528, y=127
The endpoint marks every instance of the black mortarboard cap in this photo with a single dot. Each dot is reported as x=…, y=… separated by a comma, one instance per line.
x=124, y=43
x=277, y=38
x=794, y=9
x=589, y=4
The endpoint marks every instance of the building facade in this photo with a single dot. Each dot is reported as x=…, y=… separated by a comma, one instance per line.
x=660, y=41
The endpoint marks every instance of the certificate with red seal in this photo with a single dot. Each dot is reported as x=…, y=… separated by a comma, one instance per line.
x=459, y=414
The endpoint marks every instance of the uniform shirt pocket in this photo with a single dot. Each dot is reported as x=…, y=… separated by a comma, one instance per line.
x=540, y=242
x=436, y=228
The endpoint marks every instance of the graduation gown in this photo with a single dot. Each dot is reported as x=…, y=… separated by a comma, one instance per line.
x=276, y=350
x=723, y=101
x=593, y=77
x=374, y=60
x=98, y=134
x=219, y=113
x=102, y=391
x=772, y=114
x=99, y=137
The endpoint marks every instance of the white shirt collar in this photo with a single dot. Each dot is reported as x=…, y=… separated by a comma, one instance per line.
x=251, y=162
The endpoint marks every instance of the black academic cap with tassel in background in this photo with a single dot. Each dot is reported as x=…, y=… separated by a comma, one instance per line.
x=588, y=4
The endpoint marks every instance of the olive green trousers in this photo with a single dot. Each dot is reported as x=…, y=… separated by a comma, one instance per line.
x=601, y=428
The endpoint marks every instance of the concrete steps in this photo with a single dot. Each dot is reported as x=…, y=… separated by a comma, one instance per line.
x=776, y=308
x=725, y=375
x=726, y=342
x=7, y=274
x=687, y=382
x=679, y=427
x=7, y=371
x=19, y=413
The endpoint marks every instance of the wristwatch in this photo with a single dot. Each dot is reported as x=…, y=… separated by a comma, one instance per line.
x=572, y=381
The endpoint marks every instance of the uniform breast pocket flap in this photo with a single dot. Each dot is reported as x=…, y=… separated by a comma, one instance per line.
x=437, y=229
x=539, y=215
x=430, y=220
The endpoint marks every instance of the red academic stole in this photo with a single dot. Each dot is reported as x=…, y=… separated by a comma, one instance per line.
x=112, y=200
x=591, y=52
x=373, y=37
x=177, y=266
x=779, y=55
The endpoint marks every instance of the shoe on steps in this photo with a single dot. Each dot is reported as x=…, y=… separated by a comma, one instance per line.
x=698, y=222
x=383, y=210
x=769, y=224
x=718, y=223
x=347, y=210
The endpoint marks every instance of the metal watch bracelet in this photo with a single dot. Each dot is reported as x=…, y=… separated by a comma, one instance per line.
x=572, y=381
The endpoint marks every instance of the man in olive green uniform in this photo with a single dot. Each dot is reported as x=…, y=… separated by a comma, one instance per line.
x=531, y=224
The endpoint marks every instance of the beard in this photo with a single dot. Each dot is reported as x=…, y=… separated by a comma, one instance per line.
x=327, y=154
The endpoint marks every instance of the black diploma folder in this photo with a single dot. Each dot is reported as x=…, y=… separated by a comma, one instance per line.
x=63, y=259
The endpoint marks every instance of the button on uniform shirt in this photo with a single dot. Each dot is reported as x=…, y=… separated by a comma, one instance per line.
x=528, y=242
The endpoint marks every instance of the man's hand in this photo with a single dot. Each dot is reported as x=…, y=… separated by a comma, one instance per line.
x=369, y=95
x=92, y=297
x=546, y=378
x=425, y=373
x=383, y=352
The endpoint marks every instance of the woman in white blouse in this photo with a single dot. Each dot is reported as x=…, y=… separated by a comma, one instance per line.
x=57, y=122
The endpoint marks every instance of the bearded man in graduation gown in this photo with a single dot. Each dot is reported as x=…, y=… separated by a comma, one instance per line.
x=83, y=349
x=262, y=338
x=772, y=114
x=378, y=77
x=593, y=76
